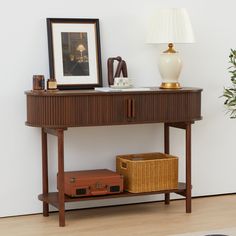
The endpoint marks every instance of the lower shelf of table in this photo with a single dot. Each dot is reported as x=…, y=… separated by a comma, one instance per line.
x=52, y=198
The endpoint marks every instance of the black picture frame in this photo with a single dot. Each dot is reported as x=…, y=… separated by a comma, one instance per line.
x=74, y=52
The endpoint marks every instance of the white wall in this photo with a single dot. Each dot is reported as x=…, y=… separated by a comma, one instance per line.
x=123, y=24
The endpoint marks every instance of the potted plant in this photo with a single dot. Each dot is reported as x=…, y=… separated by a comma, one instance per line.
x=229, y=93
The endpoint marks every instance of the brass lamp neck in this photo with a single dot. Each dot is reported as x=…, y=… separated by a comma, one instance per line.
x=170, y=48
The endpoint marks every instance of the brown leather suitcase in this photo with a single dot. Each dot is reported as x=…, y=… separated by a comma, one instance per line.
x=92, y=183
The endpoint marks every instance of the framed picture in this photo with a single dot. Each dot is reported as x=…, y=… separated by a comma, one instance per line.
x=74, y=53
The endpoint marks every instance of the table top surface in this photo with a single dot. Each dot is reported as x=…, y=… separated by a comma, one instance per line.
x=94, y=92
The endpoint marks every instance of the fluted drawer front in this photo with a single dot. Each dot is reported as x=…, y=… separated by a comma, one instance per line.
x=92, y=109
x=167, y=107
x=55, y=111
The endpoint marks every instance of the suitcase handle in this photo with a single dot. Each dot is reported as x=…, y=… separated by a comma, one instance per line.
x=99, y=192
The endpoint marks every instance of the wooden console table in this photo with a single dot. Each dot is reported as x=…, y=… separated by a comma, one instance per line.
x=54, y=112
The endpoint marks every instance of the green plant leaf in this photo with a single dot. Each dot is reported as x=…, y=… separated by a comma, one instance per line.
x=229, y=93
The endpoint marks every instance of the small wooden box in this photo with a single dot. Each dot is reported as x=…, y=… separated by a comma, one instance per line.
x=92, y=182
x=148, y=172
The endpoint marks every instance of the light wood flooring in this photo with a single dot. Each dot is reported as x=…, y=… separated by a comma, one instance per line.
x=140, y=219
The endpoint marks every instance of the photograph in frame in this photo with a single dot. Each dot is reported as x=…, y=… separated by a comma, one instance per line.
x=74, y=53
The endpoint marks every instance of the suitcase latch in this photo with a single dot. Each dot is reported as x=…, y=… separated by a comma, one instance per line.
x=99, y=185
x=72, y=180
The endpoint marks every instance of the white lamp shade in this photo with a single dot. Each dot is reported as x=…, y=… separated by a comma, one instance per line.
x=170, y=25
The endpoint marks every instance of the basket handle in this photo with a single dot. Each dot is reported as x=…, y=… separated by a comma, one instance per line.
x=123, y=165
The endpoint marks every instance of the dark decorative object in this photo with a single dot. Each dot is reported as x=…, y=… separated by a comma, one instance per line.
x=74, y=53
x=121, y=68
x=216, y=235
x=38, y=82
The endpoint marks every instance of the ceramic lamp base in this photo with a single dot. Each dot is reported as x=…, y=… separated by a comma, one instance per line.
x=170, y=66
x=170, y=85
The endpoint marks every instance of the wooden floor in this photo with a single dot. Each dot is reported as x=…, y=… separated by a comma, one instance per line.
x=142, y=219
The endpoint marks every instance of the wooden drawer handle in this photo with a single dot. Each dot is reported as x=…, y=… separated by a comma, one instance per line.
x=129, y=108
x=133, y=108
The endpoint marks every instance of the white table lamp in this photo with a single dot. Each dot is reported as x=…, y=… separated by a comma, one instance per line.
x=170, y=26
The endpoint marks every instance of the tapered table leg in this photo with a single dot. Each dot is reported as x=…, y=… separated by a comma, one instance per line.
x=167, y=151
x=45, y=170
x=188, y=169
x=61, y=203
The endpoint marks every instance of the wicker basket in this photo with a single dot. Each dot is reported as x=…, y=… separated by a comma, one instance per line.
x=148, y=172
